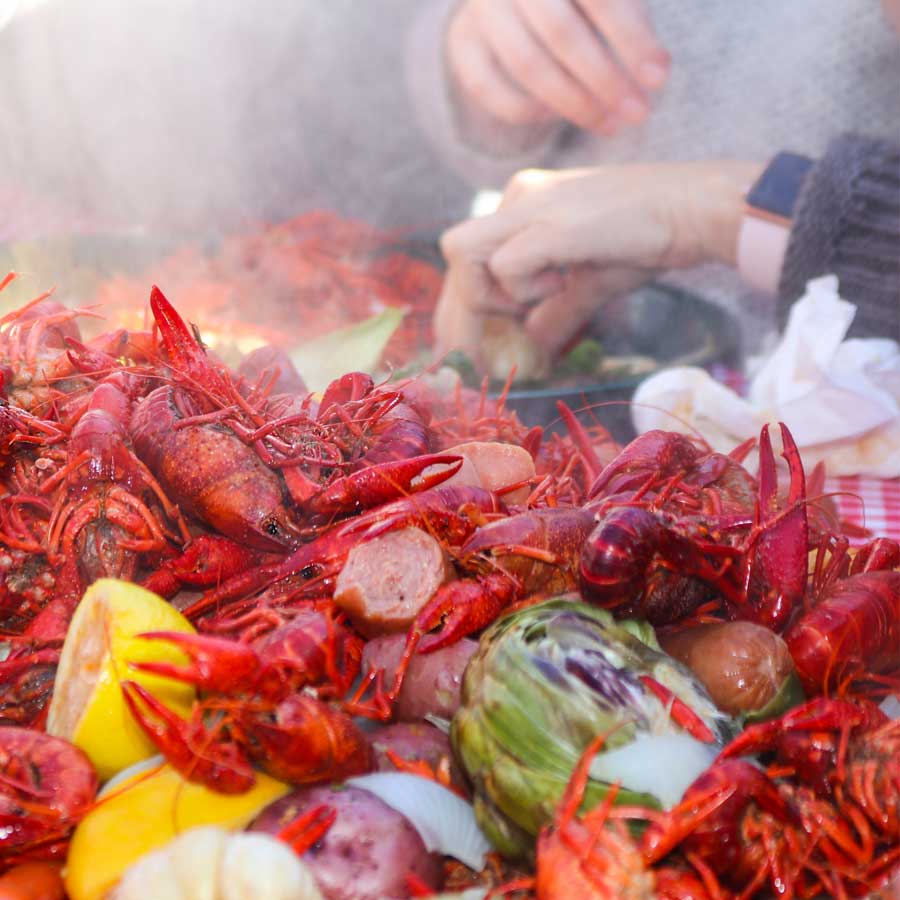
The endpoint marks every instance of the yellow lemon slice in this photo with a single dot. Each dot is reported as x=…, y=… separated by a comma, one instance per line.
x=145, y=812
x=88, y=707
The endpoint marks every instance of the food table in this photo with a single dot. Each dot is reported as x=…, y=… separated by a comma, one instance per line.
x=863, y=503
x=871, y=503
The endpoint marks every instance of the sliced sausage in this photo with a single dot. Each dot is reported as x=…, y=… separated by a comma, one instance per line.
x=497, y=466
x=387, y=580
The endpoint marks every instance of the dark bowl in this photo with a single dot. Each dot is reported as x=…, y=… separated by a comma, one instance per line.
x=670, y=325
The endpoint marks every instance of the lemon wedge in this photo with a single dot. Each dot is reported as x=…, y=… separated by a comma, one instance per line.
x=88, y=707
x=144, y=813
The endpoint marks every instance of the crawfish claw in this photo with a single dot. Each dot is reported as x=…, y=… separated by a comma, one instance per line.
x=193, y=752
x=216, y=664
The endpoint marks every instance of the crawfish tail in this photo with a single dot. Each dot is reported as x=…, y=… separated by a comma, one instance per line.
x=209, y=471
x=853, y=630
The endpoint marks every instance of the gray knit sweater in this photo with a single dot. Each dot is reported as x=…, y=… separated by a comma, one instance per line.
x=847, y=222
x=747, y=80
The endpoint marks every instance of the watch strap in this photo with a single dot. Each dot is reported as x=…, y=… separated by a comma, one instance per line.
x=766, y=222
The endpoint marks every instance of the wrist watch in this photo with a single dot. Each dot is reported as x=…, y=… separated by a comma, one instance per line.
x=766, y=222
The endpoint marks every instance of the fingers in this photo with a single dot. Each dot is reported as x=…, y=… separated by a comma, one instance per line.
x=467, y=248
x=527, y=266
x=595, y=77
x=532, y=63
x=479, y=74
x=628, y=29
x=456, y=325
x=470, y=291
x=554, y=322
x=586, y=61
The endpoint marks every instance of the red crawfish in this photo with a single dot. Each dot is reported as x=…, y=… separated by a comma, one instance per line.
x=299, y=739
x=204, y=466
x=851, y=632
x=46, y=786
x=822, y=740
x=382, y=483
x=32, y=344
x=534, y=552
x=644, y=559
x=252, y=712
x=687, y=473
x=356, y=449
x=452, y=512
x=508, y=559
x=311, y=648
x=843, y=763
x=100, y=524
x=595, y=857
x=206, y=560
x=102, y=517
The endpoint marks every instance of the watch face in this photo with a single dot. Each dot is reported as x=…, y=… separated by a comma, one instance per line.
x=778, y=187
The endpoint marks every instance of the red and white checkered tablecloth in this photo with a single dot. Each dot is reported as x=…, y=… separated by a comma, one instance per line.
x=872, y=503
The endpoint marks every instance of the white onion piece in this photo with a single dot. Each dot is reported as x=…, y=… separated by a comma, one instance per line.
x=890, y=706
x=439, y=722
x=663, y=765
x=445, y=822
x=138, y=768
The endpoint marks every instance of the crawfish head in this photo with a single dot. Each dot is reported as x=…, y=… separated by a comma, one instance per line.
x=208, y=470
x=46, y=786
x=645, y=562
x=302, y=740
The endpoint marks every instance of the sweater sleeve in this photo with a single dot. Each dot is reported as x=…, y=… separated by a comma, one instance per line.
x=847, y=222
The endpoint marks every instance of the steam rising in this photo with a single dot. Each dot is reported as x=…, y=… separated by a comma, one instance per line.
x=200, y=115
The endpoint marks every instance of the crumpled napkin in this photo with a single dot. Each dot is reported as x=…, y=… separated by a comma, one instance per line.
x=839, y=398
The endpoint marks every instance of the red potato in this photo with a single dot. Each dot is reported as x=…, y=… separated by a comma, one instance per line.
x=432, y=684
x=368, y=851
x=414, y=742
x=496, y=465
x=386, y=581
x=742, y=665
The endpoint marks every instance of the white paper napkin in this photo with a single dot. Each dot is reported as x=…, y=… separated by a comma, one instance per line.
x=839, y=398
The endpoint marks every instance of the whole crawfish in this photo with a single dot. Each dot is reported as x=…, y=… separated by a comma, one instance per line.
x=841, y=760
x=673, y=541
x=253, y=710
x=204, y=466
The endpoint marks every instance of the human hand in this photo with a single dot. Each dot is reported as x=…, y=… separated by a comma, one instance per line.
x=562, y=243
x=588, y=62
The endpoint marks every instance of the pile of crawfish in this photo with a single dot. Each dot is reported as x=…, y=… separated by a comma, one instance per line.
x=317, y=268
x=240, y=496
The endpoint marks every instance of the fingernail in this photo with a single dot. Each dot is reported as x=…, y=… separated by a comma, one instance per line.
x=632, y=110
x=608, y=124
x=653, y=74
